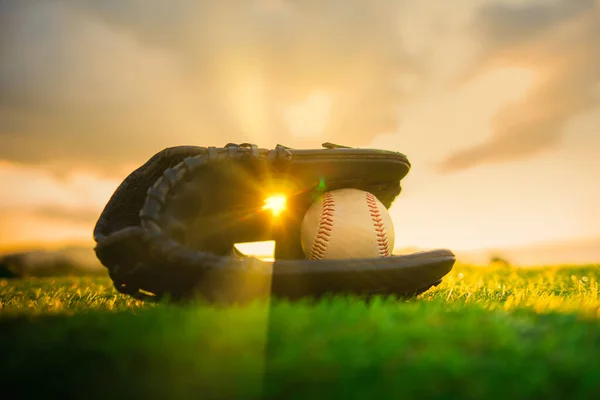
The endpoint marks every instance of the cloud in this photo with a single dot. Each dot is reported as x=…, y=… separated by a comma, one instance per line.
x=558, y=41
x=78, y=216
x=100, y=84
x=38, y=206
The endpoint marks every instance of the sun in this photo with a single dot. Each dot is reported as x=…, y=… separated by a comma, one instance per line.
x=276, y=203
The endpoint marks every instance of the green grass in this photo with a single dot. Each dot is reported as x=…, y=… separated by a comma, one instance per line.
x=485, y=333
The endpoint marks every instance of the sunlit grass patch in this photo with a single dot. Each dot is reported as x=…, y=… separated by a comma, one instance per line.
x=62, y=295
x=567, y=289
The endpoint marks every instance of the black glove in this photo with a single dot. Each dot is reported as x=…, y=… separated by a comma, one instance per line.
x=170, y=227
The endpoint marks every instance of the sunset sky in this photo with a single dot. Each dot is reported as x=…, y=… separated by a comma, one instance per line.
x=495, y=103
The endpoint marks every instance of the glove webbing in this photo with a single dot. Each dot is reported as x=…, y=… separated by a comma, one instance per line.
x=152, y=245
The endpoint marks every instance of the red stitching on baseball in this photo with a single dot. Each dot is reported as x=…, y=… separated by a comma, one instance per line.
x=382, y=239
x=319, y=246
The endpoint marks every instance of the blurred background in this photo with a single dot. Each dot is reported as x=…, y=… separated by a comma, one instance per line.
x=496, y=103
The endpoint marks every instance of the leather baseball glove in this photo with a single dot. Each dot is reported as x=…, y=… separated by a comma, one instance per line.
x=170, y=227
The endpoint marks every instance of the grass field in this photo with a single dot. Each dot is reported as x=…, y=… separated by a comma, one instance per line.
x=485, y=333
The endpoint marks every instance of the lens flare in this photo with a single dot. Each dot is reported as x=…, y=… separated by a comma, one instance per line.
x=276, y=203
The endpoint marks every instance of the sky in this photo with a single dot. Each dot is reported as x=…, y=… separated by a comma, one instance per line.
x=495, y=103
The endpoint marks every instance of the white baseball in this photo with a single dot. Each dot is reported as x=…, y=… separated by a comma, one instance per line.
x=347, y=223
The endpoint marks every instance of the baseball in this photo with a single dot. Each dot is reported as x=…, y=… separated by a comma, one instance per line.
x=347, y=223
